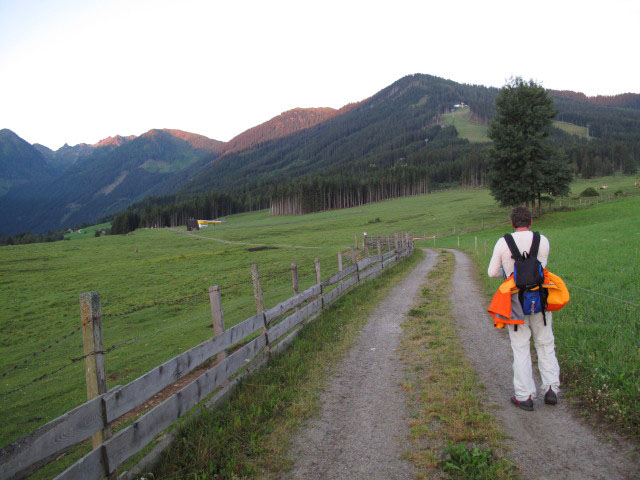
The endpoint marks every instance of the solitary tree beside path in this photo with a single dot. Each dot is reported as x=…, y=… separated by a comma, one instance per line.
x=523, y=165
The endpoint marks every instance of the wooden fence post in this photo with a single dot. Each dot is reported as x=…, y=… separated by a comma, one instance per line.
x=94, y=356
x=475, y=242
x=353, y=256
x=316, y=264
x=395, y=240
x=259, y=298
x=485, y=248
x=388, y=243
x=458, y=241
x=339, y=261
x=215, y=300
x=379, y=247
x=294, y=278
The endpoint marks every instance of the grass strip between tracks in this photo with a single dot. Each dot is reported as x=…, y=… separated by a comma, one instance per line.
x=452, y=433
x=249, y=435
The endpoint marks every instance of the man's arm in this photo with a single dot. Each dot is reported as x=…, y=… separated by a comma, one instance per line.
x=543, y=251
x=495, y=265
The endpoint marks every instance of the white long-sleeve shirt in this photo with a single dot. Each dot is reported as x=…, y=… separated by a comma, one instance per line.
x=501, y=257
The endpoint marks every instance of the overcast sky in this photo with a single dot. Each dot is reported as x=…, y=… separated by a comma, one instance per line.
x=76, y=71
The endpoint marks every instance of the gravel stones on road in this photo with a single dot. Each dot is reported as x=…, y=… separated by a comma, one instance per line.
x=362, y=427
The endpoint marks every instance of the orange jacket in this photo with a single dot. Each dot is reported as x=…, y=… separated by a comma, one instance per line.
x=505, y=306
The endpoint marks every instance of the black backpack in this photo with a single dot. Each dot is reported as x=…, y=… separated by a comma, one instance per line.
x=529, y=277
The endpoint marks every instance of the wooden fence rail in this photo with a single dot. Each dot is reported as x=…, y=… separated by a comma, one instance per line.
x=26, y=455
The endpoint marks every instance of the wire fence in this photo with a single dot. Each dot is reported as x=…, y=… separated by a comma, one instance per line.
x=620, y=300
x=36, y=353
x=275, y=283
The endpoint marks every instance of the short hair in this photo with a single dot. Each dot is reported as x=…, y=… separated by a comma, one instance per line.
x=520, y=217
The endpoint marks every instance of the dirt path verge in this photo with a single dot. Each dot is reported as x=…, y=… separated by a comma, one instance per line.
x=231, y=242
x=361, y=429
x=550, y=442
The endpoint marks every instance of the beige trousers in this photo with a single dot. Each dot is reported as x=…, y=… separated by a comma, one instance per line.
x=523, y=383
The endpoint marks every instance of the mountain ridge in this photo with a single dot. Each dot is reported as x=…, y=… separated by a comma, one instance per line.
x=396, y=126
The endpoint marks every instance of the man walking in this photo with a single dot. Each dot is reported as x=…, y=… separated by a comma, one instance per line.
x=502, y=265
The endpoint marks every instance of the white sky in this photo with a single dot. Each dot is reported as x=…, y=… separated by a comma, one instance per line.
x=81, y=70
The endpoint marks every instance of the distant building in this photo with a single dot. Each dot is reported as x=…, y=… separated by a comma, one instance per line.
x=192, y=224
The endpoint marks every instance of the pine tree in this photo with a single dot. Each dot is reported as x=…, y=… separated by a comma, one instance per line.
x=522, y=164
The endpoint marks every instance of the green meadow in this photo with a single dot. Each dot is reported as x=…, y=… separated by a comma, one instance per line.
x=154, y=288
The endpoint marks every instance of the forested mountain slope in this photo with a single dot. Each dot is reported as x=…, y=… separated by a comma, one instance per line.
x=107, y=180
x=379, y=130
x=399, y=141
x=20, y=162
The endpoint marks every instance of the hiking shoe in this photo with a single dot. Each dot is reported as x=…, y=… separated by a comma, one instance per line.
x=550, y=398
x=524, y=404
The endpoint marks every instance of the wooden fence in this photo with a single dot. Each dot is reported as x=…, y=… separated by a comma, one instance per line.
x=268, y=331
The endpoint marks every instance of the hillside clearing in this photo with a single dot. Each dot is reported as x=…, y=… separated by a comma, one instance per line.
x=572, y=129
x=467, y=127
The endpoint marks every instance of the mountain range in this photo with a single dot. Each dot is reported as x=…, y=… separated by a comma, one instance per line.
x=42, y=189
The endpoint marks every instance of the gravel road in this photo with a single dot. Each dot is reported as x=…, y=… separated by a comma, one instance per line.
x=361, y=429
x=550, y=442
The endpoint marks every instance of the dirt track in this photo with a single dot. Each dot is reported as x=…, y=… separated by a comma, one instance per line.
x=361, y=430
x=550, y=442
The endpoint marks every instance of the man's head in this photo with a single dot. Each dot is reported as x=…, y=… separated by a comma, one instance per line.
x=520, y=217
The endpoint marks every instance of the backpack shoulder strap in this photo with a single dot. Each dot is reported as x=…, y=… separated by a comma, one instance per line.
x=535, y=243
x=515, y=253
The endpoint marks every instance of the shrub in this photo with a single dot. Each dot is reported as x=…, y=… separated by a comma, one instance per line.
x=589, y=192
x=618, y=193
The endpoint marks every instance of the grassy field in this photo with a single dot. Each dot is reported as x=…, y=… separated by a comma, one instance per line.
x=572, y=129
x=154, y=289
x=596, y=250
x=467, y=127
x=154, y=283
